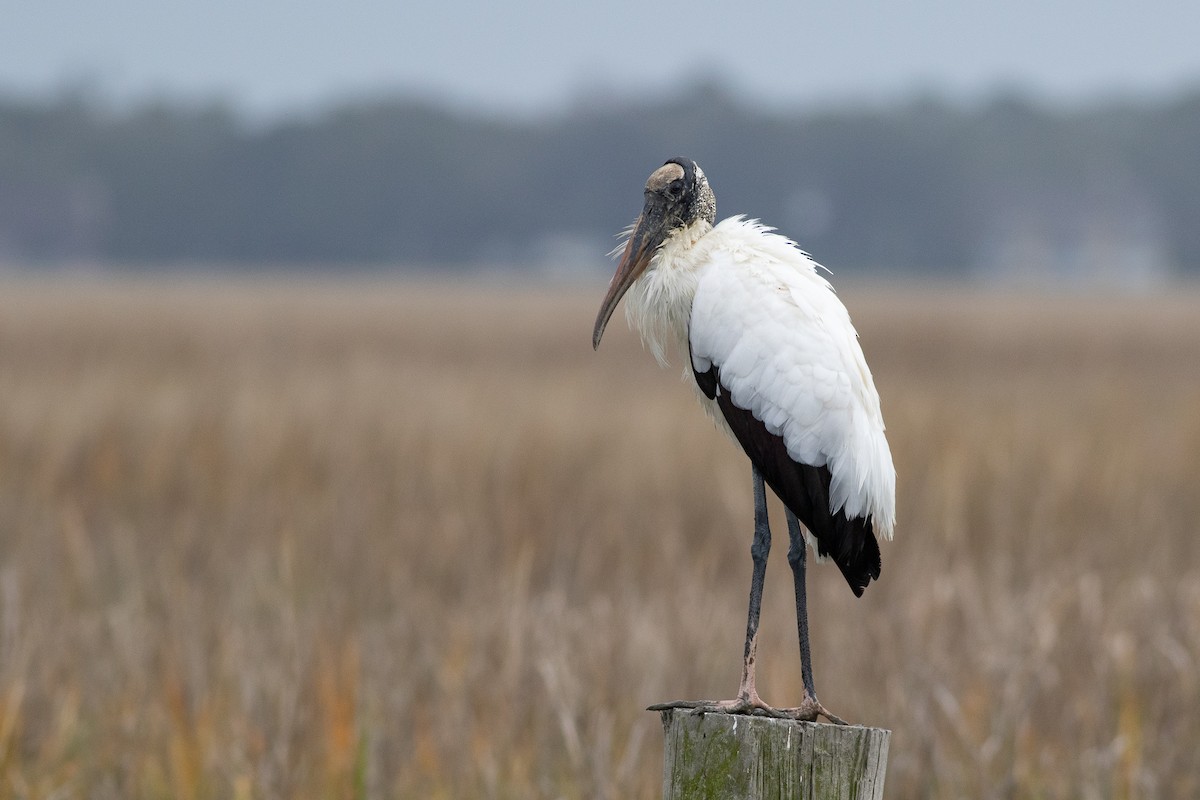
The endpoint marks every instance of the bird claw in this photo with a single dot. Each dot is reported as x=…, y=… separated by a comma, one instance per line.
x=741, y=705
x=808, y=711
x=738, y=706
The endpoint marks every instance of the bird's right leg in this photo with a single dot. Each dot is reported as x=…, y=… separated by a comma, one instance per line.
x=747, y=701
x=811, y=707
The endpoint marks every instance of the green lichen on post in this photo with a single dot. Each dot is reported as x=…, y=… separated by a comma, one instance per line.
x=721, y=757
x=720, y=753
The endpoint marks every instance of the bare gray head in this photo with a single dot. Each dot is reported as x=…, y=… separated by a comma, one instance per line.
x=677, y=197
x=679, y=194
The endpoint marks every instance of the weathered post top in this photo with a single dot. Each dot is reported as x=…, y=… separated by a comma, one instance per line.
x=738, y=757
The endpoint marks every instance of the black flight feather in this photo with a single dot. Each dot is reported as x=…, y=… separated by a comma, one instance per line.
x=803, y=488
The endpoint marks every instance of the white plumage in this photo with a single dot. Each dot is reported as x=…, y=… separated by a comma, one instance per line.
x=776, y=364
x=752, y=302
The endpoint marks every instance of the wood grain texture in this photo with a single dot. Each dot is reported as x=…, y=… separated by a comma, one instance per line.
x=728, y=756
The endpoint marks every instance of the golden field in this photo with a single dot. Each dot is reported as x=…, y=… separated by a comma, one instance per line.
x=310, y=540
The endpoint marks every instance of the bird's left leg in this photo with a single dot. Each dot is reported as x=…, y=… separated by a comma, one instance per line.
x=747, y=701
x=810, y=708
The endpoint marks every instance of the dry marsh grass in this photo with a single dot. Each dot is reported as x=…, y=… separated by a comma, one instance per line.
x=262, y=540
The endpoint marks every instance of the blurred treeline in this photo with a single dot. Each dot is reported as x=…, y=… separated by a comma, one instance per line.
x=1001, y=186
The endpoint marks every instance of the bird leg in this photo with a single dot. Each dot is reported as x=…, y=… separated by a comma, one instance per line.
x=747, y=700
x=810, y=708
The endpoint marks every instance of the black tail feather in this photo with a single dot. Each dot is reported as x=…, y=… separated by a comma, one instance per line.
x=804, y=489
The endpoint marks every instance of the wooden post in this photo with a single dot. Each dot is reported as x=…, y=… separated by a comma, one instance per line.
x=737, y=757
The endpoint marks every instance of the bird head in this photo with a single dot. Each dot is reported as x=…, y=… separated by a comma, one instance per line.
x=677, y=197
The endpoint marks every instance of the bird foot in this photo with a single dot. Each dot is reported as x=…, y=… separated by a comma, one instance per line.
x=807, y=711
x=741, y=705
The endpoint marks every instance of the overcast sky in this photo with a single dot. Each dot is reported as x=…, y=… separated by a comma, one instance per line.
x=269, y=56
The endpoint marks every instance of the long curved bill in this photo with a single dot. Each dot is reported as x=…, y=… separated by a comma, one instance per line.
x=646, y=237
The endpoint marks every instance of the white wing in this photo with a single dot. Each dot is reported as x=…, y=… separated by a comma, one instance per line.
x=787, y=352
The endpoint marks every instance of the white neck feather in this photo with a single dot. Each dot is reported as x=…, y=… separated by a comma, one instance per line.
x=659, y=304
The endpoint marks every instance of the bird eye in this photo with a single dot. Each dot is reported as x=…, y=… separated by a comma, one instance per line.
x=675, y=188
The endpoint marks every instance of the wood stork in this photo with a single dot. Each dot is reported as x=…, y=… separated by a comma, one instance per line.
x=777, y=365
